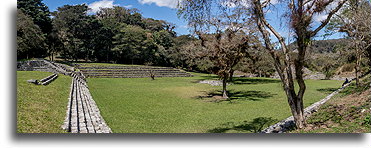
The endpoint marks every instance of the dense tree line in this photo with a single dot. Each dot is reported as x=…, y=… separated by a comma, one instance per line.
x=117, y=34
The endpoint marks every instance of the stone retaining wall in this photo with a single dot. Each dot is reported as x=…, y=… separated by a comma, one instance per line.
x=132, y=72
x=43, y=65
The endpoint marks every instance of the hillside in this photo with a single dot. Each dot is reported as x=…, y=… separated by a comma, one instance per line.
x=324, y=46
x=327, y=46
x=348, y=112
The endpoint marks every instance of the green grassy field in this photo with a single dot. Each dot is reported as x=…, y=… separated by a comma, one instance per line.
x=41, y=109
x=182, y=105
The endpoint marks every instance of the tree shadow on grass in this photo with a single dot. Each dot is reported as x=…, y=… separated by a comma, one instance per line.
x=327, y=90
x=216, y=96
x=254, y=126
x=239, y=81
x=202, y=78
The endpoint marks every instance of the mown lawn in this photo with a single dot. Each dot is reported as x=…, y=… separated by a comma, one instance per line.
x=181, y=105
x=41, y=109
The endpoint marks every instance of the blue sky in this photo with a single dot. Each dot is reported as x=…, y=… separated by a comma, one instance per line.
x=164, y=10
x=149, y=9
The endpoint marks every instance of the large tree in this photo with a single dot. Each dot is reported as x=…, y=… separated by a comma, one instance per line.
x=225, y=34
x=38, y=11
x=132, y=45
x=30, y=39
x=354, y=20
x=300, y=14
x=71, y=23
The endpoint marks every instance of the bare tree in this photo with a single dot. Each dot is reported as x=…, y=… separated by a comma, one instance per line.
x=224, y=31
x=354, y=20
x=300, y=14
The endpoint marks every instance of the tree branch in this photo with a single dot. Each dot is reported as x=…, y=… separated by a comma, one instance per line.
x=325, y=22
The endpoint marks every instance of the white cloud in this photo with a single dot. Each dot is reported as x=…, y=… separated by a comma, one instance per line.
x=95, y=6
x=320, y=17
x=273, y=2
x=128, y=6
x=233, y=3
x=244, y=3
x=162, y=3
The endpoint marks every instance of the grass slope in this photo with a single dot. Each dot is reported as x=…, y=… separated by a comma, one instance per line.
x=347, y=112
x=41, y=109
x=181, y=105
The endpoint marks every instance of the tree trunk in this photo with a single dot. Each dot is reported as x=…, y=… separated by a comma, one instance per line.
x=297, y=109
x=357, y=66
x=225, y=95
x=231, y=75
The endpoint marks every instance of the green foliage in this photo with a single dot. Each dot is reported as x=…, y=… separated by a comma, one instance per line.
x=71, y=24
x=30, y=38
x=367, y=120
x=348, y=67
x=131, y=44
x=38, y=11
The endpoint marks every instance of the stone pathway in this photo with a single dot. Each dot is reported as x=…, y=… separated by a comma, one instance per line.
x=83, y=115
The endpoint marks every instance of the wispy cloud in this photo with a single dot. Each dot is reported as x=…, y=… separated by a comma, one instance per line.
x=95, y=6
x=128, y=6
x=162, y=3
x=322, y=16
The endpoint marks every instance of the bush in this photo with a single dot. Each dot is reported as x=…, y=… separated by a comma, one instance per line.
x=348, y=67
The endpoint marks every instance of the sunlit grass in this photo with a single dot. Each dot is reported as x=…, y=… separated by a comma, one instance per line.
x=176, y=105
x=41, y=109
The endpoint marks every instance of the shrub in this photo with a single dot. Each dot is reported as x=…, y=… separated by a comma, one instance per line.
x=348, y=67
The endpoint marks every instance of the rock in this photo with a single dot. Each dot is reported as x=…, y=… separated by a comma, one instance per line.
x=33, y=81
x=212, y=82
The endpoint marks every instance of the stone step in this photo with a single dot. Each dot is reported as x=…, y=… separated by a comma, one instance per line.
x=49, y=79
x=115, y=70
x=125, y=67
x=174, y=73
x=133, y=74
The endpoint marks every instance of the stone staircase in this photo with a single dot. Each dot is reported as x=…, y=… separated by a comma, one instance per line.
x=83, y=115
x=131, y=72
x=44, y=65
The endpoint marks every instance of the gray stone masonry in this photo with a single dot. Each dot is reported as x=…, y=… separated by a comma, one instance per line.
x=49, y=79
x=83, y=115
x=44, y=65
x=132, y=72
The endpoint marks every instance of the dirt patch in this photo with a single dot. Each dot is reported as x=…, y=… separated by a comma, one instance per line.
x=213, y=98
